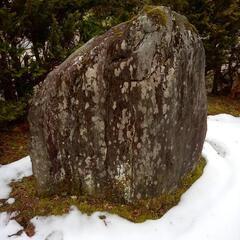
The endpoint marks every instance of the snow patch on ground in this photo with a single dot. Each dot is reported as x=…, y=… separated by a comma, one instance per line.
x=8, y=226
x=10, y=201
x=209, y=210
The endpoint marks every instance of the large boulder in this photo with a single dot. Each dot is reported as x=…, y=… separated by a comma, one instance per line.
x=125, y=115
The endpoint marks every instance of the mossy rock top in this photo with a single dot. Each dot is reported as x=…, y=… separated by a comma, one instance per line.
x=160, y=16
x=156, y=13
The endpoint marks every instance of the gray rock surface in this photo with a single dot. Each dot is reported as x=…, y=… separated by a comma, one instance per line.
x=125, y=115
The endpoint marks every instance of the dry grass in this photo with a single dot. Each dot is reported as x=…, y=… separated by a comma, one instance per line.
x=222, y=104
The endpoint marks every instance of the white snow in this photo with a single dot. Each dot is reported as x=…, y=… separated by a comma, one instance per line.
x=209, y=210
x=8, y=226
x=10, y=201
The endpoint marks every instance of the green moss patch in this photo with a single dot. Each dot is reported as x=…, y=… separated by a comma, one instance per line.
x=29, y=204
x=167, y=201
x=156, y=14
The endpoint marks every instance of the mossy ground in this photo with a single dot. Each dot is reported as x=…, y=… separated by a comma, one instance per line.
x=28, y=204
x=13, y=145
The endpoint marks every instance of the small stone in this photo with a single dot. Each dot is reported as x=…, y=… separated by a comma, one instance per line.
x=102, y=217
